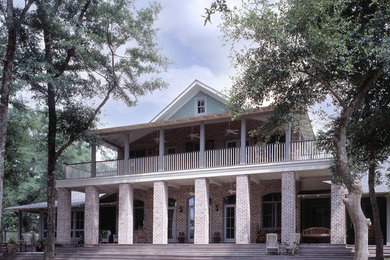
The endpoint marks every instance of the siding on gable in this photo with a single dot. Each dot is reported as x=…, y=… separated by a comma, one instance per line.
x=188, y=109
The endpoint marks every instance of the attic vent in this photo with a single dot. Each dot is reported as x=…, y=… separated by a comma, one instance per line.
x=200, y=106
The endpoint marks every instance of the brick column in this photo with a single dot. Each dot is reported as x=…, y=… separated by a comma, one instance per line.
x=201, y=234
x=243, y=215
x=91, y=216
x=337, y=211
x=64, y=216
x=288, y=206
x=160, y=213
x=125, y=220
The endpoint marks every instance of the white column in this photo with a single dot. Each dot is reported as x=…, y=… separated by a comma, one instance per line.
x=125, y=220
x=93, y=160
x=160, y=213
x=388, y=220
x=243, y=215
x=202, y=143
x=126, y=147
x=288, y=206
x=201, y=232
x=161, y=151
x=91, y=216
x=243, y=141
x=337, y=214
x=64, y=216
x=288, y=141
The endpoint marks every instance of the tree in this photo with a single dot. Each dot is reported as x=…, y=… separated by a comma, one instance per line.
x=82, y=53
x=297, y=53
x=369, y=144
x=26, y=161
x=11, y=20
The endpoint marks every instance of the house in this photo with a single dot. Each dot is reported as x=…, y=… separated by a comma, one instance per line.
x=194, y=172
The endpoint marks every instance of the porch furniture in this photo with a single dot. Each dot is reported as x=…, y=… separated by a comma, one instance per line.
x=141, y=237
x=115, y=238
x=22, y=245
x=293, y=246
x=316, y=232
x=106, y=236
x=272, y=242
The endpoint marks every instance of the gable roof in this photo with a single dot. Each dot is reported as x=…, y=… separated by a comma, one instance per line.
x=185, y=96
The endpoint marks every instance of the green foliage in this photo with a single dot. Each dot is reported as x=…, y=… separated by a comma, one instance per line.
x=297, y=52
x=12, y=240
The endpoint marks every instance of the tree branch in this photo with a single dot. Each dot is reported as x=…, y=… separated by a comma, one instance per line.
x=23, y=13
x=88, y=124
x=326, y=85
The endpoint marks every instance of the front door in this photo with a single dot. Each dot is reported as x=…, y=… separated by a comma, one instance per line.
x=230, y=223
x=172, y=224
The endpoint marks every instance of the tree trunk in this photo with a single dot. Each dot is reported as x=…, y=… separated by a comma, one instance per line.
x=353, y=198
x=374, y=206
x=4, y=93
x=51, y=157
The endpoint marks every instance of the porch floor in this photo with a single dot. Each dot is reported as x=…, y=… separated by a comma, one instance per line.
x=195, y=252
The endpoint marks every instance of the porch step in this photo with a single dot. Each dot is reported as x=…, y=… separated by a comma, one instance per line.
x=201, y=252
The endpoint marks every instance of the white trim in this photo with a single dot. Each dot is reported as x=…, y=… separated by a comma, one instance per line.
x=296, y=166
x=186, y=96
x=196, y=106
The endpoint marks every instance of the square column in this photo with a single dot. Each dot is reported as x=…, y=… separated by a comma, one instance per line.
x=202, y=143
x=337, y=214
x=91, y=216
x=288, y=206
x=126, y=148
x=64, y=216
x=160, y=213
x=93, y=160
x=161, y=148
x=201, y=234
x=125, y=221
x=243, y=215
x=243, y=142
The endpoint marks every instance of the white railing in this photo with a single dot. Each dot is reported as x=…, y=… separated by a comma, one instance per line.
x=267, y=153
x=222, y=157
x=306, y=150
x=181, y=161
x=144, y=164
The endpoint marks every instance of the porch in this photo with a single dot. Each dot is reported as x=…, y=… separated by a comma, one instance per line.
x=214, y=158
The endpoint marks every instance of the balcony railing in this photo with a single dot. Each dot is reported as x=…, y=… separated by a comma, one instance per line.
x=258, y=154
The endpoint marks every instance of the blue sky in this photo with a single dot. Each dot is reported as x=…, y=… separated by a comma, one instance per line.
x=196, y=52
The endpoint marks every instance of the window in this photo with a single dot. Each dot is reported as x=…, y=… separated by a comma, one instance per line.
x=272, y=210
x=200, y=106
x=171, y=150
x=77, y=226
x=138, y=214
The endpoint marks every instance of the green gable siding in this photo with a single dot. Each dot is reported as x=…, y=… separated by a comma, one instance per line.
x=188, y=110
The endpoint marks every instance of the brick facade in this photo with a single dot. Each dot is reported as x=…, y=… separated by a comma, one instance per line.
x=201, y=235
x=337, y=219
x=243, y=214
x=160, y=213
x=288, y=206
x=125, y=214
x=91, y=216
x=64, y=216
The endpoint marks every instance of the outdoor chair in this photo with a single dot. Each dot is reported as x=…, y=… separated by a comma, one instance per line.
x=106, y=236
x=272, y=242
x=141, y=237
x=115, y=237
x=293, y=245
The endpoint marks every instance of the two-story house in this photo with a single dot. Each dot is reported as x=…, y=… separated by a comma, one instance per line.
x=193, y=172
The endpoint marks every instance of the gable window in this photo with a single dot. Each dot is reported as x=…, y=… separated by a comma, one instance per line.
x=200, y=106
x=272, y=210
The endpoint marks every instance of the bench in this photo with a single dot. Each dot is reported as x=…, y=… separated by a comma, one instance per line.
x=316, y=232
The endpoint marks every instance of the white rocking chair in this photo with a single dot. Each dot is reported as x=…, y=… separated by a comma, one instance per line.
x=293, y=246
x=271, y=242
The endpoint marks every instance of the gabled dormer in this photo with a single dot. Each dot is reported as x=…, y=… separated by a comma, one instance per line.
x=198, y=99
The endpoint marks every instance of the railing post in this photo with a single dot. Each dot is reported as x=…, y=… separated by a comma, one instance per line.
x=161, y=151
x=93, y=160
x=243, y=141
x=201, y=146
x=126, y=146
x=288, y=142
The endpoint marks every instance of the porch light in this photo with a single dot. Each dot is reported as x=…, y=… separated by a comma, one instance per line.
x=216, y=207
x=181, y=209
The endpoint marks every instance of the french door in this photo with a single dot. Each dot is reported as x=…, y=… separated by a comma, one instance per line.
x=230, y=223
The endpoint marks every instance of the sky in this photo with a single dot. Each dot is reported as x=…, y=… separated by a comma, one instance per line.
x=196, y=52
